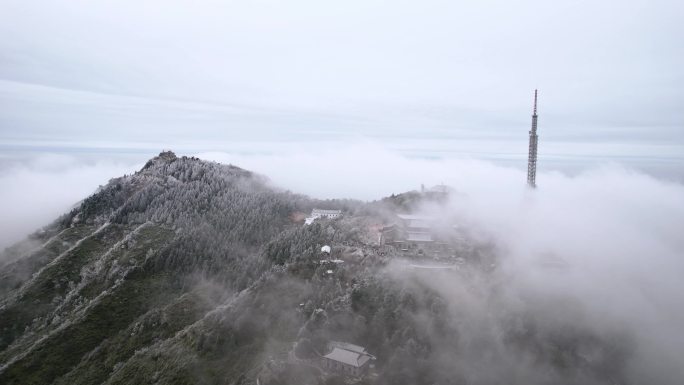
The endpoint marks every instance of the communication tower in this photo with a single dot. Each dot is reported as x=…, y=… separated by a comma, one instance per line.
x=532, y=156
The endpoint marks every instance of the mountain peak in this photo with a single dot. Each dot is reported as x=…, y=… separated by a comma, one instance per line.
x=167, y=155
x=163, y=157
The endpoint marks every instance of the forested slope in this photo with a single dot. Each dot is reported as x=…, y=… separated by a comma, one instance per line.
x=144, y=246
x=192, y=272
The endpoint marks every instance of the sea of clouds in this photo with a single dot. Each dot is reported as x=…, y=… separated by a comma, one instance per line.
x=617, y=231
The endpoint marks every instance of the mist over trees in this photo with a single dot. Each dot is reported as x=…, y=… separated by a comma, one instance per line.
x=196, y=272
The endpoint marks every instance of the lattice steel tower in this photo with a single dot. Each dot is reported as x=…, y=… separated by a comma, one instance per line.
x=532, y=156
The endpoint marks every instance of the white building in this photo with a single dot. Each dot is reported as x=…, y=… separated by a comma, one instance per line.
x=331, y=214
x=319, y=213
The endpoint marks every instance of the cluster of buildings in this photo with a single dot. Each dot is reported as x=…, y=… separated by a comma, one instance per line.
x=422, y=234
x=410, y=233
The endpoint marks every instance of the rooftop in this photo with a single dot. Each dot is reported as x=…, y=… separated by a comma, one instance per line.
x=325, y=212
x=348, y=346
x=348, y=357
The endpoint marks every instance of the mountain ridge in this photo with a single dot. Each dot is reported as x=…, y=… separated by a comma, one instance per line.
x=130, y=212
x=191, y=272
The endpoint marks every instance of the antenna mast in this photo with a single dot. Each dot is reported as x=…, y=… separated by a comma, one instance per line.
x=532, y=155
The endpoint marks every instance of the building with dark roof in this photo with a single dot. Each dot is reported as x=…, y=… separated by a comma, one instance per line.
x=347, y=359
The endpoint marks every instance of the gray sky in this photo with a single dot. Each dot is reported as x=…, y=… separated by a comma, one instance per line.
x=426, y=78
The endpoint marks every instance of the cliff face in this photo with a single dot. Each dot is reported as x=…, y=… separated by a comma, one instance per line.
x=194, y=272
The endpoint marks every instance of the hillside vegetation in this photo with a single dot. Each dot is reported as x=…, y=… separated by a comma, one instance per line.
x=192, y=272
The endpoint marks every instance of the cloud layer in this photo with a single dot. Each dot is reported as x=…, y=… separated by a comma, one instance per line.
x=39, y=187
x=615, y=231
x=592, y=261
x=610, y=74
x=36, y=192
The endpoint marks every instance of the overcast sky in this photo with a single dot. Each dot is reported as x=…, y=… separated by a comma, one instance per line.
x=364, y=98
x=426, y=78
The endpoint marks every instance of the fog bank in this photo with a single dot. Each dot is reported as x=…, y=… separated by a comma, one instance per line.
x=592, y=261
x=37, y=191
